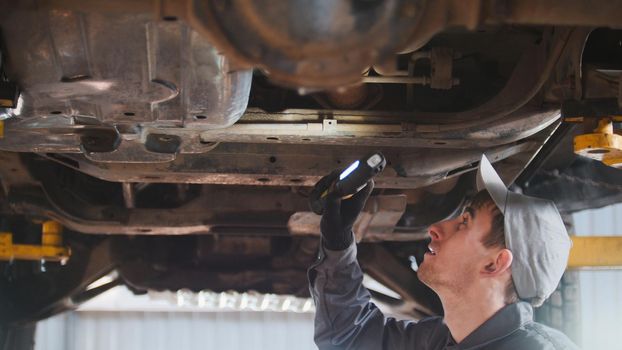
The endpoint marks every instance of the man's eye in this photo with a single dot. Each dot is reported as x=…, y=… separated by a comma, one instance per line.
x=465, y=220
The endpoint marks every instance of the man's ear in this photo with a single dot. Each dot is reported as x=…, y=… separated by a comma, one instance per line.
x=499, y=263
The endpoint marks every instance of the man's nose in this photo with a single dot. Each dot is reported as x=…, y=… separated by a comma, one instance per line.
x=435, y=231
x=442, y=229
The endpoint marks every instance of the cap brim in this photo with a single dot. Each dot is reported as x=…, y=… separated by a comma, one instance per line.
x=487, y=178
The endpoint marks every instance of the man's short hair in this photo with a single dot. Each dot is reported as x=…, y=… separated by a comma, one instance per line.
x=495, y=238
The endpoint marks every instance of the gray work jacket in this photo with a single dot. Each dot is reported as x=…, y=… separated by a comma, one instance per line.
x=346, y=319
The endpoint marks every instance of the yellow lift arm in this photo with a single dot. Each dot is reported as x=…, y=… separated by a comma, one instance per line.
x=596, y=252
x=51, y=248
x=587, y=251
x=603, y=144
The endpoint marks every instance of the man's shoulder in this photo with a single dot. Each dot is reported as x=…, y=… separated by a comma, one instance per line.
x=534, y=335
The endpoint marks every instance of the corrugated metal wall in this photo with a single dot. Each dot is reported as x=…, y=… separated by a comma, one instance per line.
x=601, y=291
x=176, y=330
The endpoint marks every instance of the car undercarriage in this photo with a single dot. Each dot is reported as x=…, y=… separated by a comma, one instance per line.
x=177, y=141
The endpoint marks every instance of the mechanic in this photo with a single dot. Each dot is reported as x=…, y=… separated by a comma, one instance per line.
x=504, y=254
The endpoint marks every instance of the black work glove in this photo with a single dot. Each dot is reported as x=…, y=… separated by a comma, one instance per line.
x=340, y=214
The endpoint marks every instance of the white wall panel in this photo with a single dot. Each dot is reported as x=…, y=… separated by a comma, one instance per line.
x=88, y=330
x=601, y=291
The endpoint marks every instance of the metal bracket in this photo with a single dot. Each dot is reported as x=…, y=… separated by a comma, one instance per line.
x=329, y=125
x=51, y=248
x=375, y=223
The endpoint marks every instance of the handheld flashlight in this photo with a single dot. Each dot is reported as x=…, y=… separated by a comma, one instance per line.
x=351, y=180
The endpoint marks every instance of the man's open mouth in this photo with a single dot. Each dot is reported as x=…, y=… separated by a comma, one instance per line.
x=431, y=250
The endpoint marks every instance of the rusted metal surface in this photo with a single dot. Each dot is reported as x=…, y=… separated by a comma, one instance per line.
x=143, y=138
x=600, y=82
x=328, y=44
x=313, y=51
x=441, y=65
x=264, y=208
x=566, y=80
x=522, y=86
x=441, y=70
x=483, y=133
x=138, y=149
x=442, y=14
x=375, y=223
x=456, y=161
x=119, y=69
x=358, y=96
x=294, y=165
x=172, y=142
x=219, y=211
x=218, y=263
x=507, y=118
x=588, y=13
x=379, y=217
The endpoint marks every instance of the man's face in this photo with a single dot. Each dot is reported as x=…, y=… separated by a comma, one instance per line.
x=457, y=254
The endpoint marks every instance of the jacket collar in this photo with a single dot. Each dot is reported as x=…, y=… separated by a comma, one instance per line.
x=503, y=323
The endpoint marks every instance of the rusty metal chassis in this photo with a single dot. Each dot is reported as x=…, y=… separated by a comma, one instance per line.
x=274, y=175
x=273, y=153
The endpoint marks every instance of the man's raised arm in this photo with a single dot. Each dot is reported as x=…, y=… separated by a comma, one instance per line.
x=345, y=317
